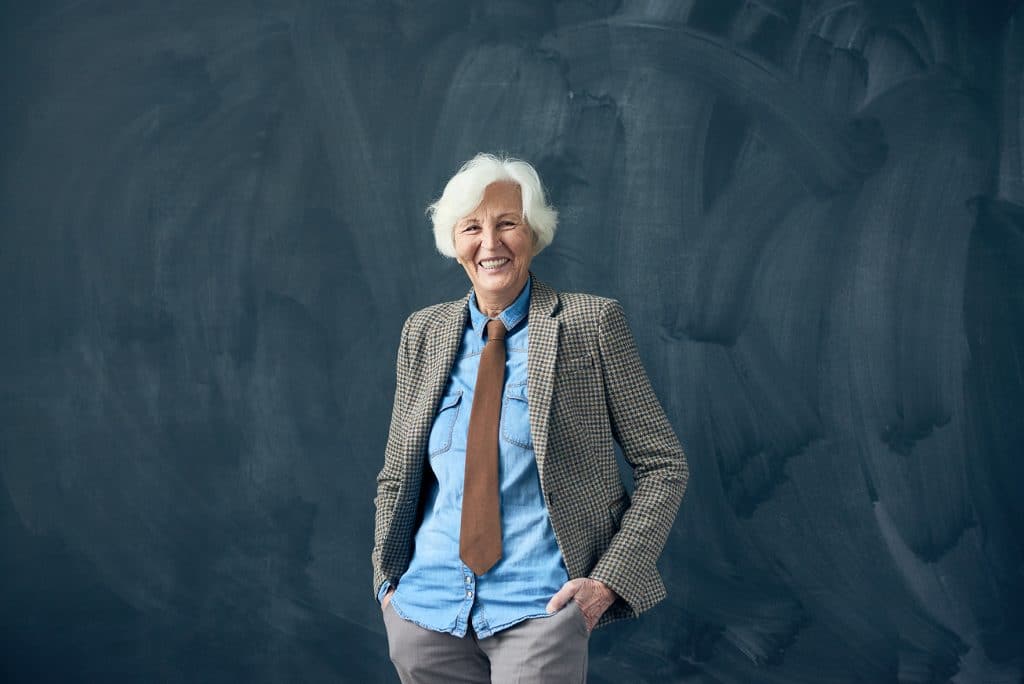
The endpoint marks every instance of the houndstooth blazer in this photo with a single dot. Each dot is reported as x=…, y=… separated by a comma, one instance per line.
x=586, y=388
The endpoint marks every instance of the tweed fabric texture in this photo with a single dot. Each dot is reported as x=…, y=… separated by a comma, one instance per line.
x=587, y=390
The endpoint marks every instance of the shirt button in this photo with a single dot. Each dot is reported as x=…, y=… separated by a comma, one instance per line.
x=469, y=594
x=469, y=580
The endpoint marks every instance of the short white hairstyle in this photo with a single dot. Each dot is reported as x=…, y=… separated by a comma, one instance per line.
x=465, y=190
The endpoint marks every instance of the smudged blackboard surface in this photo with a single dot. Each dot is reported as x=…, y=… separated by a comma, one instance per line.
x=212, y=215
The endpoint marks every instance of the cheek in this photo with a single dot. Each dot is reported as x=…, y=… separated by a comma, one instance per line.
x=462, y=247
x=524, y=250
x=523, y=245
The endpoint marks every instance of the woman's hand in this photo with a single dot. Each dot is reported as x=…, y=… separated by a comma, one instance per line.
x=387, y=598
x=593, y=596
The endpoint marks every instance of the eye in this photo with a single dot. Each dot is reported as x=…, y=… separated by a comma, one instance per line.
x=470, y=227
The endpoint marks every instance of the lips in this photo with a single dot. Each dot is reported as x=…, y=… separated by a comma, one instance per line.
x=494, y=264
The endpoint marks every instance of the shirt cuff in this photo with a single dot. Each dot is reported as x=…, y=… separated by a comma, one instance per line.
x=383, y=590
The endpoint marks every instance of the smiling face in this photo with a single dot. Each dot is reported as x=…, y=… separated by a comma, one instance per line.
x=495, y=245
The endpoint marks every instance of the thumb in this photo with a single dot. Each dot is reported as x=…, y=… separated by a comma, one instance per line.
x=563, y=596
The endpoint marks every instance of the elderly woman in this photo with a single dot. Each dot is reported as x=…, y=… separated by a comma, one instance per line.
x=504, y=534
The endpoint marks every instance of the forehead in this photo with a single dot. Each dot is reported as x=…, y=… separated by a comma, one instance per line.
x=499, y=197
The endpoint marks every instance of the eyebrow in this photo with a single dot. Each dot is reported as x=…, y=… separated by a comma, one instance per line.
x=474, y=219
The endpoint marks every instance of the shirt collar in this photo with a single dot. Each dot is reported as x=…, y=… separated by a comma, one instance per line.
x=511, y=316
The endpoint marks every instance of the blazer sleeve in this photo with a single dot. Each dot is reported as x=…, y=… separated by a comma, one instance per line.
x=660, y=471
x=390, y=476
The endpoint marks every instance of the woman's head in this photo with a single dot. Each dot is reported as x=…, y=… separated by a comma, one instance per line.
x=465, y=190
x=493, y=219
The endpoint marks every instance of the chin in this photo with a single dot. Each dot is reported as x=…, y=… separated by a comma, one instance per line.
x=498, y=282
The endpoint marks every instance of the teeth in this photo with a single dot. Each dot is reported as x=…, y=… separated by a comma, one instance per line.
x=493, y=263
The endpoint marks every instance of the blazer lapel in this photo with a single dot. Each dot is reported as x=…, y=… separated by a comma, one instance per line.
x=542, y=341
x=444, y=345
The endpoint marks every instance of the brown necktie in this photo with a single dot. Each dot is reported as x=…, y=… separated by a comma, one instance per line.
x=480, y=537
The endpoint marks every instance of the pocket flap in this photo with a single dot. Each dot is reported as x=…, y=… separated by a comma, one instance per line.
x=577, y=363
x=450, y=400
x=516, y=392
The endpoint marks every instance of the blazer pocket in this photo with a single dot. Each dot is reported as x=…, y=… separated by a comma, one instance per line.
x=577, y=363
x=444, y=424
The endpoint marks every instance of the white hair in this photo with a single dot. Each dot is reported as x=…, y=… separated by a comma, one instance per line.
x=465, y=190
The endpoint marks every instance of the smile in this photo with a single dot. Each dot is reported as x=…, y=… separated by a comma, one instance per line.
x=494, y=264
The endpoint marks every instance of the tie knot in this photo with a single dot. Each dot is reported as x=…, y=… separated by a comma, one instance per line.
x=496, y=330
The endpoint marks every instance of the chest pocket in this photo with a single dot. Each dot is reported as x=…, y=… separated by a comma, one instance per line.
x=515, y=416
x=444, y=424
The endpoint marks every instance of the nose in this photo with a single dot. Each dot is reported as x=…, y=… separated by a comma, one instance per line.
x=491, y=237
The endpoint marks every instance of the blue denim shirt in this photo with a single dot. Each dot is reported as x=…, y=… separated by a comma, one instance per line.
x=438, y=591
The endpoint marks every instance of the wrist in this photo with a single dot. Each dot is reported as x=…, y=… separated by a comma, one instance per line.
x=608, y=592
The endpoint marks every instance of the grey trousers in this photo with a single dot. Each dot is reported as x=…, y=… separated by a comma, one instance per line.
x=544, y=650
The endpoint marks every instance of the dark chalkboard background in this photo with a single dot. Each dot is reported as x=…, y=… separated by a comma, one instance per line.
x=212, y=214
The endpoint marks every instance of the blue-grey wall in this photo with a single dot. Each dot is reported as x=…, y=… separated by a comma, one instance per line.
x=212, y=230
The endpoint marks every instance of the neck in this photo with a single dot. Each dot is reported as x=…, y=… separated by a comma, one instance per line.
x=493, y=304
